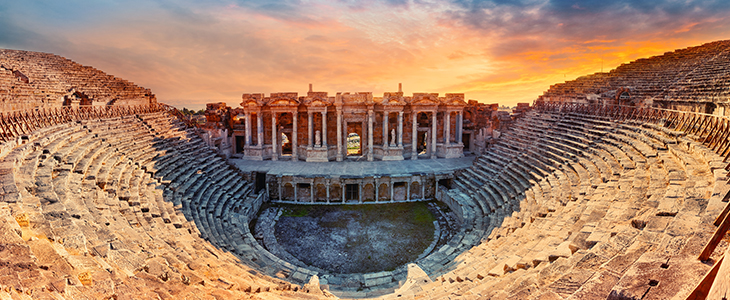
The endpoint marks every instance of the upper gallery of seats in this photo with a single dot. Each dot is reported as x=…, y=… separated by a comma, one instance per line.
x=34, y=79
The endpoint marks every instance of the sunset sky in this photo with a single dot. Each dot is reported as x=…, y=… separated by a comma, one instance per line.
x=193, y=52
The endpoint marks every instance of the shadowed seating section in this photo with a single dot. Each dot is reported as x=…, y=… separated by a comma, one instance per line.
x=588, y=202
x=89, y=209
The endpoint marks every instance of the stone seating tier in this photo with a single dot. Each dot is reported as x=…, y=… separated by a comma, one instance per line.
x=96, y=210
x=571, y=248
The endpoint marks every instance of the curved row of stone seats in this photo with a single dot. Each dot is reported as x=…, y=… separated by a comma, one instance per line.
x=87, y=220
x=46, y=78
x=696, y=74
x=211, y=194
x=646, y=222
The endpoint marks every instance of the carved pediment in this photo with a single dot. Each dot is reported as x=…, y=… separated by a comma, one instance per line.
x=424, y=101
x=454, y=99
x=251, y=103
x=284, y=102
x=317, y=101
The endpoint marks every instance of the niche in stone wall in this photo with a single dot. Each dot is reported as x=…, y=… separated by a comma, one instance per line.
x=320, y=194
x=287, y=193
x=416, y=190
x=304, y=192
x=399, y=191
x=368, y=193
x=383, y=192
x=335, y=193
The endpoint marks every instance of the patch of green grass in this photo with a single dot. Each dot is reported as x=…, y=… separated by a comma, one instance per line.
x=295, y=211
x=422, y=215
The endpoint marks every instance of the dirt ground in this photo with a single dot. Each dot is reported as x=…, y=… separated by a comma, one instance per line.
x=356, y=238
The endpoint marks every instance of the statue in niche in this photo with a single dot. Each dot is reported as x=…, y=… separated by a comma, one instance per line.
x=317, y=139
x=392, y=137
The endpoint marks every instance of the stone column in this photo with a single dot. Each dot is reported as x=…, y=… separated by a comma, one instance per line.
x=377, y=194
x=248, y=129
x=359, y=193
x=327, y=186
x=408, y=190
x=400, y=129
x=294, y=142
x=324, y=129
x=436, y=187
x=339, y=136
x=274, y=139
x=433, y=135
x=385, y=129
x=311, y=192
x=279, y=181
x=370, y=135
x=296, y=187
x=459, y=126
x=310, y=135
x=260, y=129
x=391, y=190
x=423, y=189
x=343, y=192
x=447, y=128
x=414, y=136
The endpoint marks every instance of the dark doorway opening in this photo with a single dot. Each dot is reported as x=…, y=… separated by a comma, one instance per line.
x=445, y=183
x=240, y=143
x=260, y=181
x=352, y=192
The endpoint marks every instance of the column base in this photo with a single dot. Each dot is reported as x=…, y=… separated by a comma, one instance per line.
x=393, y=153
x=253, y=153
x=450, y=150
x=317, y=154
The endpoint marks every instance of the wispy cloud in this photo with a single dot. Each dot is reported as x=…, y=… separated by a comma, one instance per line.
x=192, y=52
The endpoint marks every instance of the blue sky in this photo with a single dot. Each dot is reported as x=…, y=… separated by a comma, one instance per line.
x=193, y=52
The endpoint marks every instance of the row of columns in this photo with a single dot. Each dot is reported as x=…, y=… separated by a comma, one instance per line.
x=359, y=194
x=447, y=127
x=310, y=128
x=370, y=118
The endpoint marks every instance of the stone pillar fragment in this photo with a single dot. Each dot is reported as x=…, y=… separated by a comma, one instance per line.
x=260, y=129
x=248, y=129
x=459, y=126
x=324, y=129
x=339, y=137
x=370, y=135
x=414, y=136
x=447, y=128
x=274, y=138
x=295, y=141
x=433, y=135
x=310, y=136
x=385, y=130
x=400, y=129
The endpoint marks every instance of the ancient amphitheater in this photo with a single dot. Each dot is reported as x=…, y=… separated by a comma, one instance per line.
x=614, y=185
